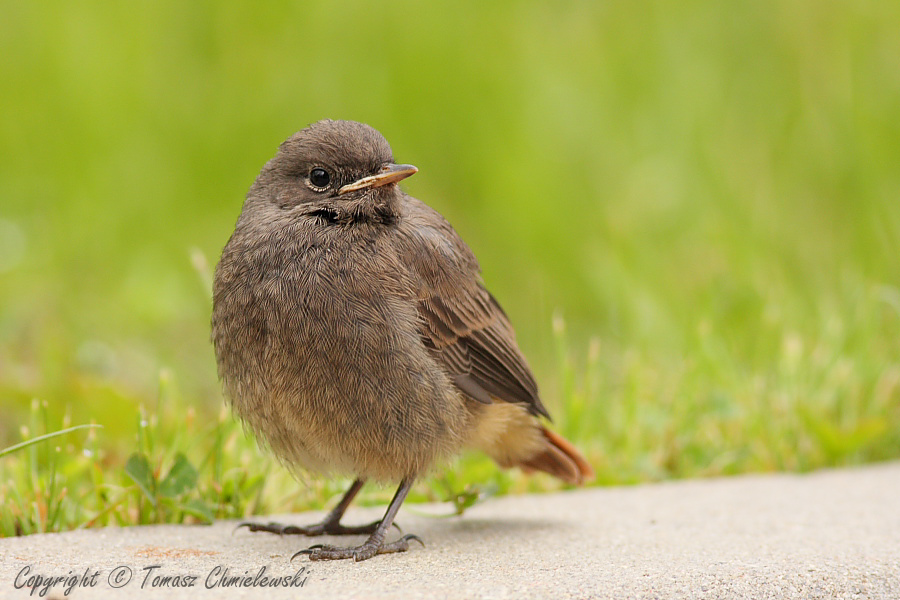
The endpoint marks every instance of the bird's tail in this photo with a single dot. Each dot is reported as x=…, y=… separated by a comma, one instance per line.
x=560, y=459
x=513, y=437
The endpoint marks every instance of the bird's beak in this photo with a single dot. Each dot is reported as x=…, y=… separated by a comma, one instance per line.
x=390, y=173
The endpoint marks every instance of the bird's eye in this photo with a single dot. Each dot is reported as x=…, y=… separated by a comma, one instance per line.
x=319, y=179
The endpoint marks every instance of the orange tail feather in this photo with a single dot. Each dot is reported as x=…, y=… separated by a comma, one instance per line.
x=560, y=459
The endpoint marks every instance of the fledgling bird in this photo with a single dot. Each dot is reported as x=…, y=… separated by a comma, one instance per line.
x=354, y=335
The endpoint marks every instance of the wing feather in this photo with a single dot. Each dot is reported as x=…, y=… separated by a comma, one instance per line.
x=461, y=323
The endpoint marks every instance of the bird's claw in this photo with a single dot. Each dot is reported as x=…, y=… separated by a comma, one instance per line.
x=358, y=553
x=277, y=528
x=323, y=528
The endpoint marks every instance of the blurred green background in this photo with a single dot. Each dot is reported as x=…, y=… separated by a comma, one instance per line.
x=704, y=193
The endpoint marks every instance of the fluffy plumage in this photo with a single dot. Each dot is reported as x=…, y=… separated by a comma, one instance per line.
x=353, y=332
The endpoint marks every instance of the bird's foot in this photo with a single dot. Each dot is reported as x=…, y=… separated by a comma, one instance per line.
x=323, y=528
x=367, y=550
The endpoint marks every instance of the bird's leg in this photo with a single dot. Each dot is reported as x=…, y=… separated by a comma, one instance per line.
x=375, y=544
x=330, y=525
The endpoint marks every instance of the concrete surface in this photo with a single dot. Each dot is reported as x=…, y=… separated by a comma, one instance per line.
x=833, y=534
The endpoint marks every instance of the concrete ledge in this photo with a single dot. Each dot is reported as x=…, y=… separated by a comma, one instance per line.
x=832, y=534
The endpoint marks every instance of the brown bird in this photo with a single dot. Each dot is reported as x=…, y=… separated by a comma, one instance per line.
x=354, y=334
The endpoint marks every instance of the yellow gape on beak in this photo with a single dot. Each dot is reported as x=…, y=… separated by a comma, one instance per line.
x=390, y=173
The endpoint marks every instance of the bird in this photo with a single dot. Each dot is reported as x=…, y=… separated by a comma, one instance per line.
x=355, y=337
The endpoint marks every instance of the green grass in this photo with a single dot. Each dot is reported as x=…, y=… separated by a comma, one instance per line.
x=703, y=193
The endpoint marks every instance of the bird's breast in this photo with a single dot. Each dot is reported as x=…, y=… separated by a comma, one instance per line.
x=320, y=351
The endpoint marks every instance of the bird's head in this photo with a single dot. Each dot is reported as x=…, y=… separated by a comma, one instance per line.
x=340, y=166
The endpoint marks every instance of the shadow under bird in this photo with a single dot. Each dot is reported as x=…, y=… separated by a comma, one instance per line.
x=354, y=334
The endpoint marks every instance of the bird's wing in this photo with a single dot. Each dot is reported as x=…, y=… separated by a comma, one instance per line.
x=461, y=323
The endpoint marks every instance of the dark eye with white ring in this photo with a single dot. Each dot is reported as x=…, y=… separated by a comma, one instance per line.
x=319, y=179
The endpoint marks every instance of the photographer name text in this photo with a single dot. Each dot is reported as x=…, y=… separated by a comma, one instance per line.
x=155, y=576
